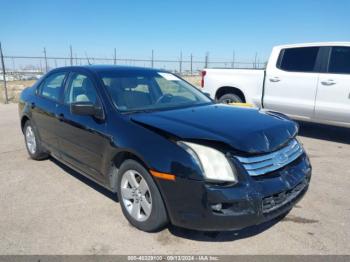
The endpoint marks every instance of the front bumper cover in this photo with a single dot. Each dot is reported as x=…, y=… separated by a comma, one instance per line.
x=252, y=201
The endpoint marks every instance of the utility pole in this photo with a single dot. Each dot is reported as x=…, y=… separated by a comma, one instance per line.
x=152, y=62
x=46, y=67
x=115, y=56
x=4, y=74
x=71, y=55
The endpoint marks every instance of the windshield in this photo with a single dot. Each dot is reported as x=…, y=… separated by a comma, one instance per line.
x=150, y=90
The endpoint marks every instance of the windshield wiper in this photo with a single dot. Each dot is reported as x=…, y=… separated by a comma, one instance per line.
x=139, y=111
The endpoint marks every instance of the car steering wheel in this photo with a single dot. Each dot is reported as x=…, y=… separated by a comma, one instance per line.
x=163, y=97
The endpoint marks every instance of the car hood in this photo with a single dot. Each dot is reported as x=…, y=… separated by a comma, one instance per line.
x=244, y=129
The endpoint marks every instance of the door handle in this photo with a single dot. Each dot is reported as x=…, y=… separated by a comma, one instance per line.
x=328, y=82
x=275, y=79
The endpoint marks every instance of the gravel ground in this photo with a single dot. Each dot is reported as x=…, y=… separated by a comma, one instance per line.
x=46, y=208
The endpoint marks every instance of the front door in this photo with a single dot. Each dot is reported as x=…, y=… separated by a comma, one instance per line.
x=82, y=139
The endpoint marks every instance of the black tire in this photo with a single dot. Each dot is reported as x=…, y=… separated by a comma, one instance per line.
x=39, y=153
x=230, y=98
x=158, y=218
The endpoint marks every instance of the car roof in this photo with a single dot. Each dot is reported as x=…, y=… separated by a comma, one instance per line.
x=314, y=44
x=110, y=68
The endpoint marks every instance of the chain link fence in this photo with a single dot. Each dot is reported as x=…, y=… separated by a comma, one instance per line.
x=17, y=71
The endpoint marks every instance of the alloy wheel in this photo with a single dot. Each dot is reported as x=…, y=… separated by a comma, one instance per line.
x=30, y=140
x=136, y=195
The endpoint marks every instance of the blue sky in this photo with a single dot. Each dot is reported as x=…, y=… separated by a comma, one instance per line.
x=137, y=27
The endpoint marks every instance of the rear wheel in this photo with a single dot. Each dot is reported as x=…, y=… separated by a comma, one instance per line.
x=32, y=142
x=140, y=198
x=230, y=98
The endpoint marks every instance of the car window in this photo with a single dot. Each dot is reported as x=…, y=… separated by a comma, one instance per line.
x=80, y=89
x=298, y=59
x=339, y=60
x=150, y=90
x=52, y=85
x=174, y=88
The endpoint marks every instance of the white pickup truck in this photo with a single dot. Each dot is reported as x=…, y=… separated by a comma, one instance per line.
x=309, y=82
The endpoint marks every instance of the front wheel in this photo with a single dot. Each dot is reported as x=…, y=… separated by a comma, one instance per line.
x=140, y=198
x=230, y=98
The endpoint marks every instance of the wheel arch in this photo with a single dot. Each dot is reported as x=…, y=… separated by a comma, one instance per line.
x=117, y=160
x=229, y=90
x=122, y=156
x=24, y=119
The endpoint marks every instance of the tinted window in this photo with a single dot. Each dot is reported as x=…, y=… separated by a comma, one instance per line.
x=298, y=59
x=81, y=89
x=51, y=86
x=340, y=60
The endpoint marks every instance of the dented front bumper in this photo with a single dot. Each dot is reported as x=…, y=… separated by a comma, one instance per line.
x=254, y=200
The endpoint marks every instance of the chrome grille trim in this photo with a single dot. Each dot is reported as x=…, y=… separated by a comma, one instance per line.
x=260, y=165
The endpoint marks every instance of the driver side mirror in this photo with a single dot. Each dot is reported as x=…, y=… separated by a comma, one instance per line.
x=87, y=109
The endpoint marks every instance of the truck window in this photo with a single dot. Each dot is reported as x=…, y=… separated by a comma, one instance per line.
x=339, y=62
x=301, y=59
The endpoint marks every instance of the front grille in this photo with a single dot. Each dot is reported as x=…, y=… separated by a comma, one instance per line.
x=276, y=201
x=260, y=165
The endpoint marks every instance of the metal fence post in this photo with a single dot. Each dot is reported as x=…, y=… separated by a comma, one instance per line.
x=206, y=63
x=233, y=59
x=256, y=55
x=180, y=63
x=45, y=57
x=4, y=74
x=71, y=55
x=191, y=66
x=152, y=61
x=115, y=56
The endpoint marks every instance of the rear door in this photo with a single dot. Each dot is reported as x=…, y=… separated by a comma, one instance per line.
x=44, y=109
x=333, y=94
x=291, y=84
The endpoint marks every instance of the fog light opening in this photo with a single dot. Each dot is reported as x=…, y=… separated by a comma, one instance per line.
x=217, y=207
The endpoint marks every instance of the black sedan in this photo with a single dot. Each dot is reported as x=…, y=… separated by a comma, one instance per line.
x=169, y=151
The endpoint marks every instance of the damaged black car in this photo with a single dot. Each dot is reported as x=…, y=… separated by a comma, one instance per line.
x=170, y=153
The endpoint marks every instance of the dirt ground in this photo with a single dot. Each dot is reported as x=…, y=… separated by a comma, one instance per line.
x=46, y=208
x=14, y=89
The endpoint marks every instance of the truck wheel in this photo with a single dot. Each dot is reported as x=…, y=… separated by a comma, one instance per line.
x=33, y=143
x=230, y=98
x=140, y=198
